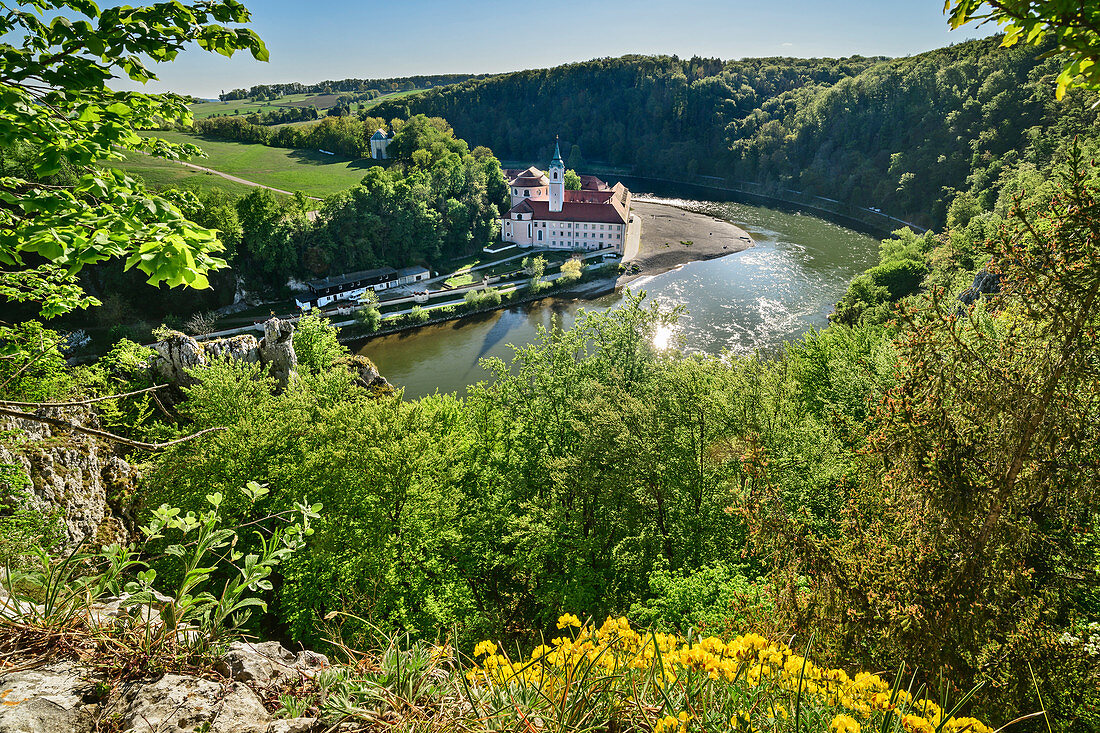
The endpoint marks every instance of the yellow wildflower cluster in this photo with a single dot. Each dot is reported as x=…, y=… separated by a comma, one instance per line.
x=743, y=667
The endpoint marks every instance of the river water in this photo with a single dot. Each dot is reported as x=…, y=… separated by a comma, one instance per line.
x=784, y=286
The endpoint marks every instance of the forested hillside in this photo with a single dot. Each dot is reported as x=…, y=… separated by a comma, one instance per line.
x=899, y=135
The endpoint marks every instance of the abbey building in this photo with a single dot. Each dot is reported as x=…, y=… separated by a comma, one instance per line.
x=545, y=214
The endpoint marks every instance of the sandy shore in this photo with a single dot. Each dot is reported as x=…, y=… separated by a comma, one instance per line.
x=672, y=237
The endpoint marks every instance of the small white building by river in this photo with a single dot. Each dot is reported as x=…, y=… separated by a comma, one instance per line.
x=545, y=214
x=353, y=284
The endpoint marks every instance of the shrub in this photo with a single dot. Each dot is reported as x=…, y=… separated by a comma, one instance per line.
x=316, y=343
x=370, y=318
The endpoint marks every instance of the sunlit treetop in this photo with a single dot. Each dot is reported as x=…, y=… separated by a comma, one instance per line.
x=1074, y=25
x=59, y=211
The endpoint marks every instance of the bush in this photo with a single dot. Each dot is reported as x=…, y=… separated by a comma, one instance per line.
x=316, y=343
x=370, y=318
x=717, y=598
x=418, y=315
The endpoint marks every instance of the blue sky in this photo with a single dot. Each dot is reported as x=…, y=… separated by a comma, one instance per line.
x=314, y=40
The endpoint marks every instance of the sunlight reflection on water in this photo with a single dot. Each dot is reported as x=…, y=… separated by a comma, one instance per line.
x=784, y=286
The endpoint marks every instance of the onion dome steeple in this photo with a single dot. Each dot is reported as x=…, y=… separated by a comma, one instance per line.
x=557, y=162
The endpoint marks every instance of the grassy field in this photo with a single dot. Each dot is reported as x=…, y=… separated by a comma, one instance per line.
x=308, y=171
x=320, y=101
x=247, y=106
x=160, y=173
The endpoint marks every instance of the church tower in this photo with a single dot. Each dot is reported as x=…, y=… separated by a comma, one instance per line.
x=557, y=180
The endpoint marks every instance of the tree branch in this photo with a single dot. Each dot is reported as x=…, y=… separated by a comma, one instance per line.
x=58, y=423
x=81, y=403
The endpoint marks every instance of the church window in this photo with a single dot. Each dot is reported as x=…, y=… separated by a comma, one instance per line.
x=526, y=192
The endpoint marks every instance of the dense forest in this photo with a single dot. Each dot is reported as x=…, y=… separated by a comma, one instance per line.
x=901, y=134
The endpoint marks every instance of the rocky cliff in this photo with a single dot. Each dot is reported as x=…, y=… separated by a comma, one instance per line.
x=77, y=476
x=178, y=352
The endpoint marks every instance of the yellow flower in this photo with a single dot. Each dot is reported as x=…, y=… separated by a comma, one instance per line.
x=567, y=620
x=844, y=724
x=916, y=724
x=485, y=647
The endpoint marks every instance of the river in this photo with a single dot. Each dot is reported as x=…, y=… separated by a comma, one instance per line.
x=784, y=286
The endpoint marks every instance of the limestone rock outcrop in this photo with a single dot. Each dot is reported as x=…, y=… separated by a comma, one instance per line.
x=277, y=350
x=74, y=474
x=178, y=352
x=57, y=698
x=985, y=283
x=262, y=663
x=366, y=373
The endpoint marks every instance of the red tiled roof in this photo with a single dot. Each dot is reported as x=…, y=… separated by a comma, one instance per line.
x=590, y=197
x=592, y=183
x=613, y=212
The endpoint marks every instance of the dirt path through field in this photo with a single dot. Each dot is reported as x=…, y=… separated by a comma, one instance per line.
x=235, y=179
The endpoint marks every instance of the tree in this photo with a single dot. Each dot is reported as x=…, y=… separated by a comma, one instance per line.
x=576, y=160
x=1075, y=27
x=572, y=180
x=571, y=270
x=56, y=103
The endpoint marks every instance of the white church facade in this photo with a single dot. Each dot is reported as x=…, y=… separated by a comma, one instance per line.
x=545, y=214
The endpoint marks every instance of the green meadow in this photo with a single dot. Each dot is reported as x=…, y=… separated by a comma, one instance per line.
x=309, y=171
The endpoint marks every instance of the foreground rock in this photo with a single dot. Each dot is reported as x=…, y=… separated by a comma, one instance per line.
x=69, y=698
x=55, y=699
x=264, y=662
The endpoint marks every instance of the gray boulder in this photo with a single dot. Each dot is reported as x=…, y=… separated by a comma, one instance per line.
x=259, y=664
x=179, y=703
x=53, y=699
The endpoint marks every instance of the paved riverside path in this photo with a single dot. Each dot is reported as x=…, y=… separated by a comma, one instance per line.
x=332, y=312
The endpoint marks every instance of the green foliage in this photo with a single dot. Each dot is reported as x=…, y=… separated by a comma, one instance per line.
x=710, y=600
x=24, y=527
x=571, y=270
x=32, y=367
x=58, y=108
x=54, y=593
x=899, y=135
x=1076, y=29
x=370, y=317
x=316, y=343
x=901, y=270
x=572, y=180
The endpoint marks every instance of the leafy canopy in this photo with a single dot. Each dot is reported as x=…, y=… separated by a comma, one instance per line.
x=59, y=211
x=1074, y=25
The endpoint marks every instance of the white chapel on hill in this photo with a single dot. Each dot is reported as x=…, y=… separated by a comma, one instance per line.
x=544, y=214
